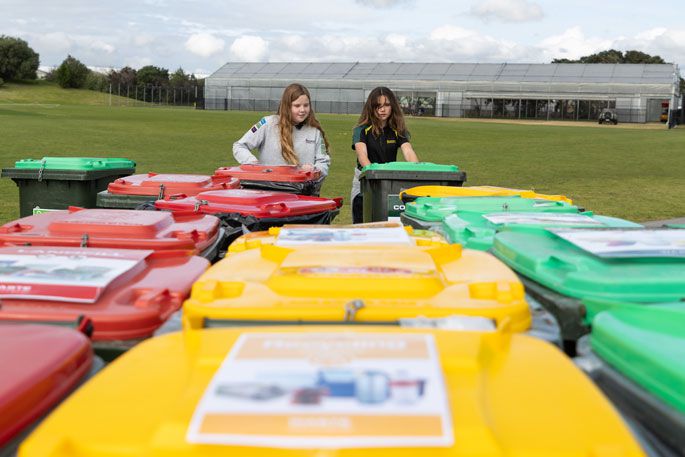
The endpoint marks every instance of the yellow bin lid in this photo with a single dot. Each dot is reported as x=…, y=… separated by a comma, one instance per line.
x=355, y=275
x=331, y=391
x=478, y=191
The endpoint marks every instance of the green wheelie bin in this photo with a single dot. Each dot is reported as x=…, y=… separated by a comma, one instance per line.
x=381, y=184
x=60, y=182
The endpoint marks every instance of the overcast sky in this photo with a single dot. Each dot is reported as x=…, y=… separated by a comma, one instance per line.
x=202, y=36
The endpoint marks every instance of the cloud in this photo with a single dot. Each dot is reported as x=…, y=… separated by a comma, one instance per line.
x=572, y=44
x=508, y=11
x=250, y=48
x=382, y=3
x=204, y=44
x=102, y=46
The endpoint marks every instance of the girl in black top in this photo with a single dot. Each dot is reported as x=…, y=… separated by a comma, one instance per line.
x=379, y=133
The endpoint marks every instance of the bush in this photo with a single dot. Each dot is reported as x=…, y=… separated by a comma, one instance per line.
x=1, y=82
x=96, y=81
x=17, y=59
x=71, y=73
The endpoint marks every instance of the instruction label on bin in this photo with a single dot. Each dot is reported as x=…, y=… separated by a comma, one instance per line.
x=326, y=390
x=72, y=275
x=342, y=236
x=542, y=219
x=627, y=243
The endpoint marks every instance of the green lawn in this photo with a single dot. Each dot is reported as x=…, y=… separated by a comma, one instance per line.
x=633, y=172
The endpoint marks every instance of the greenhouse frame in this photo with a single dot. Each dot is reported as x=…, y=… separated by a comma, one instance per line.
x=635, y=92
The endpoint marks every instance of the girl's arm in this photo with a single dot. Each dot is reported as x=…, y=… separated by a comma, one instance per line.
x=362, y=154
x=321, y=158
x=408, y=152
x=253, y=139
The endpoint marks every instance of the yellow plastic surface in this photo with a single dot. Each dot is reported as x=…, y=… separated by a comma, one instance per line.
x=479, y=191
x=319, y=282
x=509, y=395
x=253, y=240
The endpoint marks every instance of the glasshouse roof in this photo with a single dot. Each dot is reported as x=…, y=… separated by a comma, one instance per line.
x=358, y=71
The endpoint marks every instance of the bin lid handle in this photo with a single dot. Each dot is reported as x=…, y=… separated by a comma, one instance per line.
x=351, y=309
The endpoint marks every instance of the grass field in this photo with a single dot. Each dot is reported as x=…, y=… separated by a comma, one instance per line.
x=634, y=171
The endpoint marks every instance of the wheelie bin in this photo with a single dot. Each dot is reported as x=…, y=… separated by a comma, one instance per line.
x=561, y=267
x=60, y=182
x=638, y=353
x=117, y=228
x=381, y=184
x=476, y=230
x=316, y=391
x=358, y=276
x=41, y=365
x=283, y=178
x=131, y=191
x=126, y=293
x=412, y=194
x=428, y=212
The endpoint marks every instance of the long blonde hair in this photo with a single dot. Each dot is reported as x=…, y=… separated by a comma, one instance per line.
x=369, y=116
x=285, y=123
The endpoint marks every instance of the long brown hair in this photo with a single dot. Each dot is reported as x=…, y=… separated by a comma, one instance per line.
x=369, y=117
x=285, y=123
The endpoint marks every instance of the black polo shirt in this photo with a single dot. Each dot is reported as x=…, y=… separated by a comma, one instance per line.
x=382, y=148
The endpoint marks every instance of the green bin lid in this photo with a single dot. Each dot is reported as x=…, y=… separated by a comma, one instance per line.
x=74, y=163
x=476, y=230
x=547, y=258
x=434, y=209
x=412, y=166
x=646, y=344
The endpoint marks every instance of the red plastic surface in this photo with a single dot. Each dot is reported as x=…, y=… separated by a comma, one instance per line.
x=258, y=203
x=151, y=184
x=131, y=307
x=283, y=173
x=40, y=365
x=113, y=228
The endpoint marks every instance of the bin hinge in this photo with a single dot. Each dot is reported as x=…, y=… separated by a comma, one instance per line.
x=351, y=309
x=198, y=204
x=84, y=240
x=162, y=187
x=40, y=170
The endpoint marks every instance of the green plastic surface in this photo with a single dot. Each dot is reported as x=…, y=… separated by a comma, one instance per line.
x=647, y=345
x=74, y=163
x=472, y=230
x=435, y=209
x=411, y=166
x=568, y=270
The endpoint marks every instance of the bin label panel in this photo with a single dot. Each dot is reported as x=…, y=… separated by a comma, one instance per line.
x=326, y=390
x=395, y=205
x=71, y=275
x=342, y=236
x=542, y=219
x=627, y=243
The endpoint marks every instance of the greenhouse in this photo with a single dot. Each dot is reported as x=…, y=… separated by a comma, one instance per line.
x=635, y=92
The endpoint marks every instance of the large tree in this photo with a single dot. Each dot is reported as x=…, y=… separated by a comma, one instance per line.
x=71, y=73
x=127, y=76
x=17, y=59
x=614, y=56
x=150, y=75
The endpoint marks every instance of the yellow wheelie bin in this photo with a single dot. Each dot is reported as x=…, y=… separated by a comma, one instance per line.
x=336, y=391
x=412, y=194
x=378, y=275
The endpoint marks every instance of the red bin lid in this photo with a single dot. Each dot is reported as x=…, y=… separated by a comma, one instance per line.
x=113, y=228
x=40, y=364
x=169, y=184
x=280, y=173
x=126, y=293
x=258, y=203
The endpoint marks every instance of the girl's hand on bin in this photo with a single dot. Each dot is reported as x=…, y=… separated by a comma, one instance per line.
x=307, y=167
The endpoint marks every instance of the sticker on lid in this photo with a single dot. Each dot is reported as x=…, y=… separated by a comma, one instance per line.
x=542, y=219
x=627, y=243
x=342, y=236
x=326, y=390
x=71, y=275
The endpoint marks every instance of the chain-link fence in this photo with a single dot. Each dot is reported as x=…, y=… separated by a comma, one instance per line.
x=185, y=96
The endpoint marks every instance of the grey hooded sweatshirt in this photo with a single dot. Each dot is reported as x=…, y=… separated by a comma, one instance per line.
x=264, y=135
